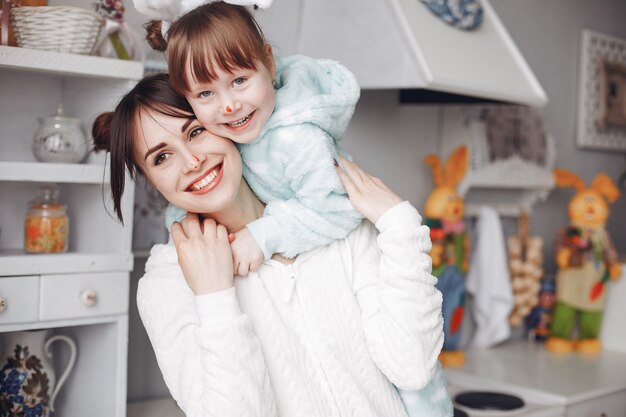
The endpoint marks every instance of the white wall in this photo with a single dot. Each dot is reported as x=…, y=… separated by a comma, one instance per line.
x=548, y=34
x=390, y=140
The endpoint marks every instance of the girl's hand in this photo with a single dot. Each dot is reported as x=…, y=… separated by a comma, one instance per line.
x=204, y=254
x=247, y=255
x=369, y=195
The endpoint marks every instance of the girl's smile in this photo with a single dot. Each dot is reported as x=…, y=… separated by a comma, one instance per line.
x=240, y=124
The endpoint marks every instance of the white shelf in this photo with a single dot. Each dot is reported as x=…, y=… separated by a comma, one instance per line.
x=49, y=172
x=17, y=262
x=69, y=64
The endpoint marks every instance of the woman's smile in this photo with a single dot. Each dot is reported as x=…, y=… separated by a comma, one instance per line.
x=207, y=181
x=202, y=171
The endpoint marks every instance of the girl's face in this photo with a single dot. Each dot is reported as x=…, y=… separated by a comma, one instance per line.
x=235, y=105
x=193, y=168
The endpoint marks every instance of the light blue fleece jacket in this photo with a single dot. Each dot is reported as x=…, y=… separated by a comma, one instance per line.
x=290, y=166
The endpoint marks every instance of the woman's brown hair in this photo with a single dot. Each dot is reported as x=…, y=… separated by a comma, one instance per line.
x=213, y=34
x=115, y=131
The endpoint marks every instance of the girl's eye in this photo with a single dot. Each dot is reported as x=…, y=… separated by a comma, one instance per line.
x=239, y=81
x=195, y=132
x=205, y=94
x=160, y=158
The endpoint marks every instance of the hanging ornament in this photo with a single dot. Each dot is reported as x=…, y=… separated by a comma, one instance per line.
x=462, y=14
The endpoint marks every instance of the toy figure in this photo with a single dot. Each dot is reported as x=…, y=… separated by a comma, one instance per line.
x=449, y=253
x=539, y=319
x=586, y=260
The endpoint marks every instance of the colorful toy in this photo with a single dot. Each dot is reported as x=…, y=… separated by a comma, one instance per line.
x=539, y=319
x=444, y=215
x=586, y=259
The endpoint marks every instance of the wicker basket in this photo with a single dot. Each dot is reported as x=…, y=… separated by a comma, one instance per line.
x=56, y=28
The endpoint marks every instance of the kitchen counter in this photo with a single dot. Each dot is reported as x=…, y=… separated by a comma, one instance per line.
x=528, y=367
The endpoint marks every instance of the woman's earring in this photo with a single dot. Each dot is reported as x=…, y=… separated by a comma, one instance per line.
x=274, y=84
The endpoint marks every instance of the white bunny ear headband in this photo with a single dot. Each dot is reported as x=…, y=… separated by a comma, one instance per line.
x=169, y=11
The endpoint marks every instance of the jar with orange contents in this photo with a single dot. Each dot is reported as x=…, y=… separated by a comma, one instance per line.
x=46, y=227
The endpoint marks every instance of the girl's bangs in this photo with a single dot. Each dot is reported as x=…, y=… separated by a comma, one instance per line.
x=227, y=49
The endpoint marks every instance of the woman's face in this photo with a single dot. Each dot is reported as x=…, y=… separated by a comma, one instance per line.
x=193, y=169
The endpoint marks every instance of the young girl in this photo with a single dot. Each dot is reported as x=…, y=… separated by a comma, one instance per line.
x=325, y=334
x=286, y=115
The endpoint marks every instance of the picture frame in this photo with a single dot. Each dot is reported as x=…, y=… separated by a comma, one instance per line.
x=601, y=121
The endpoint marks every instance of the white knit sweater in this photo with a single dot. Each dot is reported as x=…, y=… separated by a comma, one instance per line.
x=324, y=337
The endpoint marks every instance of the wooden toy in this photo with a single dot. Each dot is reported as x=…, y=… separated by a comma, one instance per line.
x=586, y=259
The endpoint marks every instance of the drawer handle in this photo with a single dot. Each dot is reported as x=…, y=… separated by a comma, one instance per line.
x=89, y=297
x=3, y=304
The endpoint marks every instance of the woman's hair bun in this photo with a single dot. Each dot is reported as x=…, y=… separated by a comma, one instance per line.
x=101, y=131
x=154, y=36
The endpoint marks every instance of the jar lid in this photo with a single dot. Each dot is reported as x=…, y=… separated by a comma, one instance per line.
x=48, y=210
x=60, y=116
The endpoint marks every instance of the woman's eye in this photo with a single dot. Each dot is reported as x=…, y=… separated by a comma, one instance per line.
x=160, y=158
x=205, y=94
x=239, y=81
x=195, y=132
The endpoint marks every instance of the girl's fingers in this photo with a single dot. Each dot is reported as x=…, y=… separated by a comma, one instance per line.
x=231, y=237
x=243, y=269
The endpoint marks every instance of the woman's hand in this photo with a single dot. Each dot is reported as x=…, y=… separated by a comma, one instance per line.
x=369, y=195
x=204, y=254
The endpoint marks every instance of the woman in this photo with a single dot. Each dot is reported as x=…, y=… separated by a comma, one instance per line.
x=325, y=334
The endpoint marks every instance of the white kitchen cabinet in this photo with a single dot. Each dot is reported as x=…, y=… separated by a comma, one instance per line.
x=582, y=385
x=82, y=293
x=611, y=405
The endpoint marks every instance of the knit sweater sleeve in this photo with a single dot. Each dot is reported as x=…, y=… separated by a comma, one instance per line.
x=400, y=306
x=317, y=211
x=206, y=349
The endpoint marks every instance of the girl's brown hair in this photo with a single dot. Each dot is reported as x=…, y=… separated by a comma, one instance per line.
x=214, y=34
x=115, y=131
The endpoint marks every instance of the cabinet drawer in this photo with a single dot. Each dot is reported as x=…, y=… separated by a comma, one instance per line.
x=83, y=295
x=19, y=299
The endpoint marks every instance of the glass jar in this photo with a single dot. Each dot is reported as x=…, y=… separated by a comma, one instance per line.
x=60, y=139
x=46, y=227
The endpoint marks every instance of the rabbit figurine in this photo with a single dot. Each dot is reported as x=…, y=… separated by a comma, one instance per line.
x=444, y=215
x=586, y=259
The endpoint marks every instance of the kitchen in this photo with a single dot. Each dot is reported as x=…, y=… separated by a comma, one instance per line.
x=389, y=139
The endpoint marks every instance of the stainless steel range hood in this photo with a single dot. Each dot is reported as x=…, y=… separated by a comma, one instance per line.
x=400, y=44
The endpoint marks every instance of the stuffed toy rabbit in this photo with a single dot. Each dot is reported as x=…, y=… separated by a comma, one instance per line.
x=444, y=215
x=586, y=259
